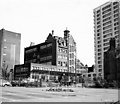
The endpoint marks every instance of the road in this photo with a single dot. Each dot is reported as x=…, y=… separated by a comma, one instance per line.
x=22, y=94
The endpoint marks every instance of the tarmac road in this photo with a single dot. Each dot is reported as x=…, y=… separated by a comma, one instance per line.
x=22, y=94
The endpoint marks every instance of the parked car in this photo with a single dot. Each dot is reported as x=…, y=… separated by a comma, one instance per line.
x=15, y=83
x=4, y=83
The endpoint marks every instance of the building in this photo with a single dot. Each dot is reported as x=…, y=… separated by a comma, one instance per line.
x=118, y=63
x=106, y=25
x=90, y=73
x=9, y=49
x=58, y=52
x=80, y=68
x=112, y=62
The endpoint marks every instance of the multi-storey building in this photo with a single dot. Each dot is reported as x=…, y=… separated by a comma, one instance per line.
x=9, y=49
x=106, y=25
x=55, y=51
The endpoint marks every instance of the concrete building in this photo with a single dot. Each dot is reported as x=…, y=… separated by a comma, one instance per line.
x=106, y=25
x=9, y=49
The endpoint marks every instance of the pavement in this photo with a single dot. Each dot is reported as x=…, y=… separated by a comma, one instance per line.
x=23, y=94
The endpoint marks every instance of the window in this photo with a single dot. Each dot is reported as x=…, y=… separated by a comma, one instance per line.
x=99, y=66
x=98, y=34
x=99, y=49
x=94, y=75
x=100, y=70
x=114, y=3
x=59, y=63
x=99, y=58
x=72, y=62
x=106, y=48
x=99, y=45
x=99, y=62
x=116, y=23
x=89, y=75
x=99, y=54
x=116, y=19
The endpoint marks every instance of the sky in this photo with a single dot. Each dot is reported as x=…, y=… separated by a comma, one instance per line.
x=35, y=19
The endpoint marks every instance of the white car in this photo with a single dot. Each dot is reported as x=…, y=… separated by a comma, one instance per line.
x=4, y=83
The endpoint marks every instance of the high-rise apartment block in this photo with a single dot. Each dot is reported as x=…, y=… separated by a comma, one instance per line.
x=106, y=25
x=9, y=49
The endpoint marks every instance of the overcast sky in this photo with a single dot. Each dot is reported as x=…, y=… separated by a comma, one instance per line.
x=35, y=19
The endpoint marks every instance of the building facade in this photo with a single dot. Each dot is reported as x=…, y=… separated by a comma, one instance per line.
x=106, y=25
x=9, y=49
x=112, y=62
x=59, y=52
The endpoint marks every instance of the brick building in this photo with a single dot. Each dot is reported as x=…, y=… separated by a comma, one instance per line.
x=58, y=52
x=112, y=62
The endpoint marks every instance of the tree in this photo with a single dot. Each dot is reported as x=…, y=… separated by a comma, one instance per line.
x=4, y=71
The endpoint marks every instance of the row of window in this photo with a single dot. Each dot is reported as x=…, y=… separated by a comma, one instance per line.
x=115, y=4
x=62, y=56
x=46, y=46
x=106, y=23
x=21, y=69
x=30, y=50
x=107, y=27
x=106, y=11
x=71, y=68
x=31, y=61
x=106, y=48
x=62, y=50
x=45, y=58
x=43, y=68
x=62, y=43
x=115, y=7
x=71, y=55
x=106, y=44
x=106, y=15
x=116, y=11
x=72, y=48
x=106, y=7
x=106, y=19
x=71, y=62
x=107, y=31
x=105, y=40
x=61, y=63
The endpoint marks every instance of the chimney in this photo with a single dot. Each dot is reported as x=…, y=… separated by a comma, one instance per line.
x=52, y=32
